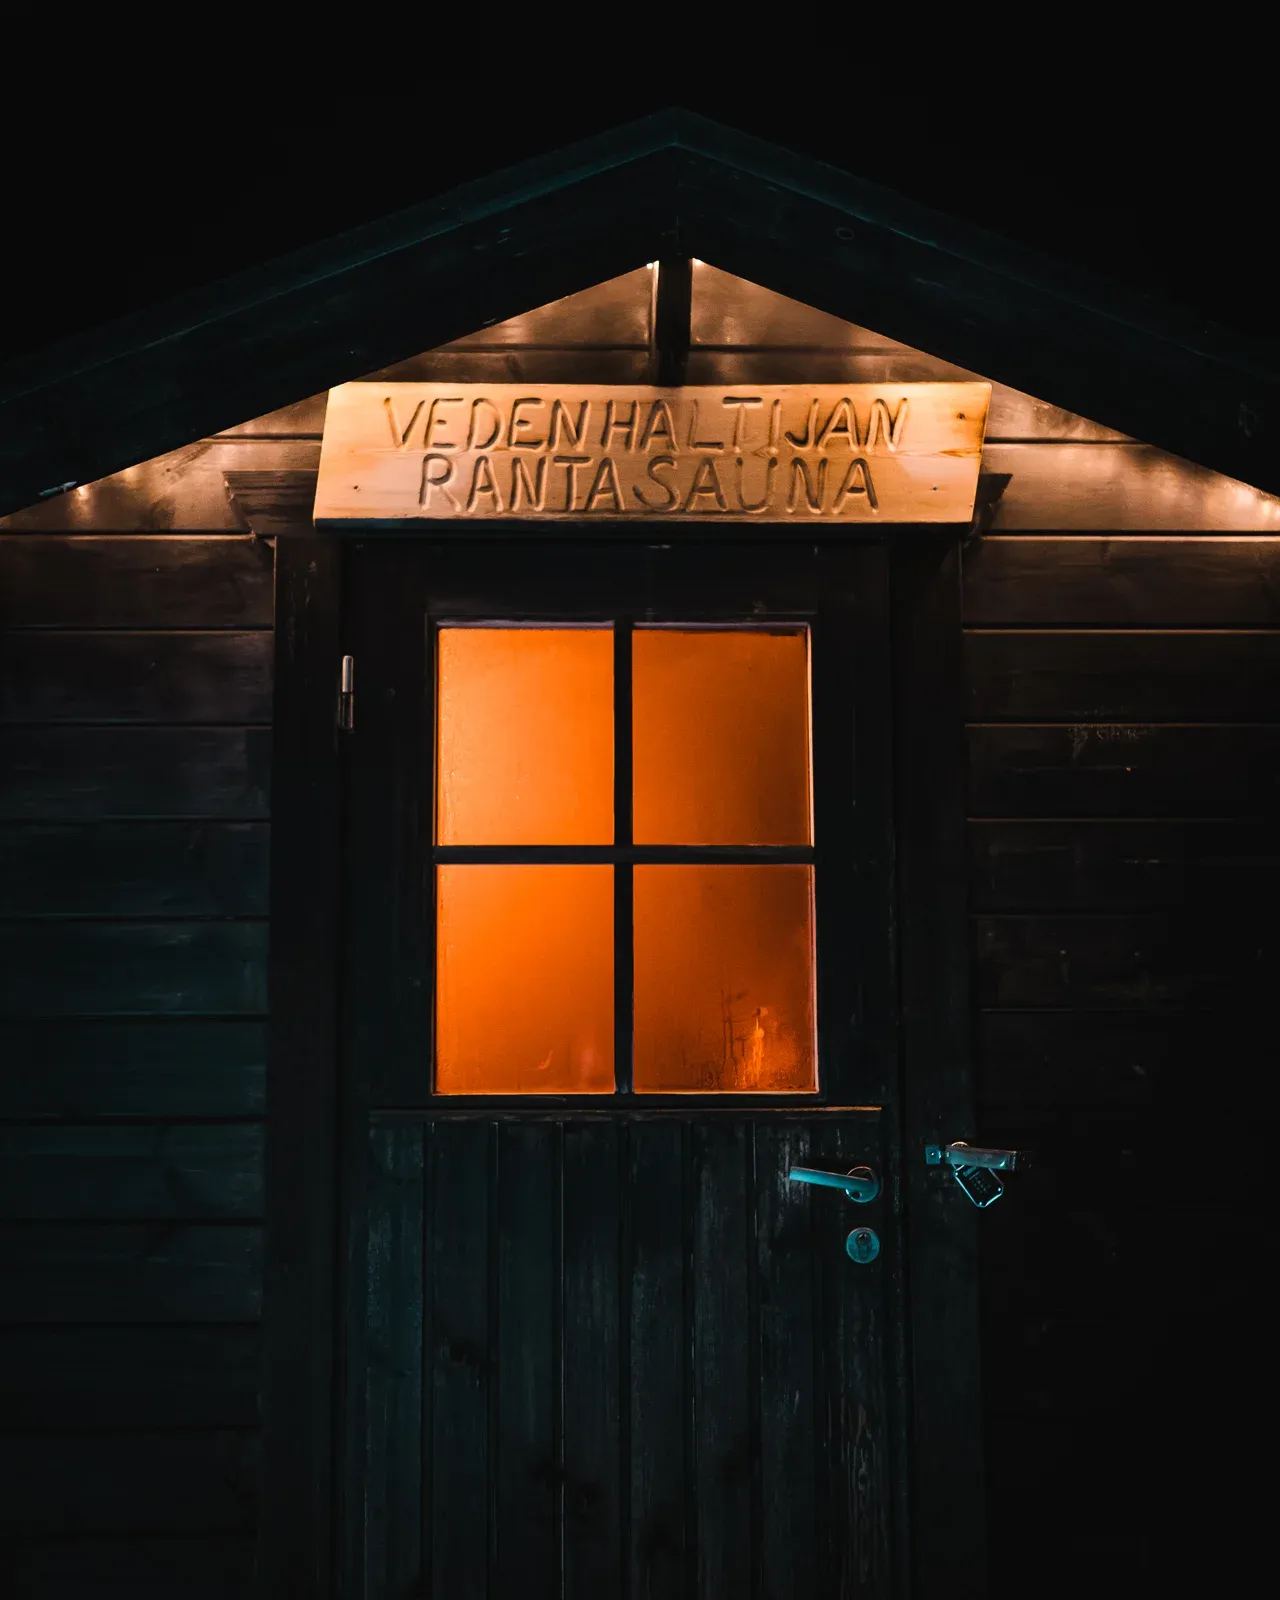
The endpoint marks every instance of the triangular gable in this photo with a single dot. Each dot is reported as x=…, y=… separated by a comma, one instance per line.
x=552, y=227
x=1056, y=470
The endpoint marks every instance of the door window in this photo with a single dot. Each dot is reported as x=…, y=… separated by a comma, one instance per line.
x=624, y=860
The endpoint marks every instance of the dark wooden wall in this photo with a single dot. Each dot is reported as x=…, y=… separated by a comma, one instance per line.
x=1124, y=775
x=1124, y=780
x=135, y=699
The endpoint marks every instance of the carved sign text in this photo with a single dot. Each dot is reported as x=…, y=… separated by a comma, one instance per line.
x=865, y=453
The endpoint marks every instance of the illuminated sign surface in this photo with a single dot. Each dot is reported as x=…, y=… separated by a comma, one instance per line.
x=861, y=453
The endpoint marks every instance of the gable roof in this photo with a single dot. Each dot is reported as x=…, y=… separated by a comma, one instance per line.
x=672, y=184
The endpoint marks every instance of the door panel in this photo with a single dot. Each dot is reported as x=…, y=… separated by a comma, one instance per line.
x=647, y=1366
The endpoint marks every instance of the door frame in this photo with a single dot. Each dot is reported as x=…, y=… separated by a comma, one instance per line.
x=940, y=1496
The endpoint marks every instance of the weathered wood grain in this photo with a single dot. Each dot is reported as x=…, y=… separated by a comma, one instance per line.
x=1116, y=961
x=1125, y=769
x=661, y=1538
x=96, y=1483
x=1219, y=869
x=853, y=1472
x=48, y=676
x=127, y=968
x=69, y=1378
x=174, y=1173
x=134, y=869
x=392, y=1340
x=1104, y=676
x=141, y=1272
x=74, y=772
x=527, y=1474
x=784, y=1245
x=591, y=1329
x=462, y=1372
x=558, y=1315
x=122, y=582
x=725, y=1416
x=172, y=1067
x=1125, y=582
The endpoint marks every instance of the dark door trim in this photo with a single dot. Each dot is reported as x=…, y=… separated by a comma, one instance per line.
x=295, y=1543
x=947, y=1516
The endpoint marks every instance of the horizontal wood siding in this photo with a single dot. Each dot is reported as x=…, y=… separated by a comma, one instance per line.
x=1124, y=783
x=135, y=682
x=1124, y=786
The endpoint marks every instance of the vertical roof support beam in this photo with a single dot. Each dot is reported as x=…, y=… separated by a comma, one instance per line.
x=672, y=321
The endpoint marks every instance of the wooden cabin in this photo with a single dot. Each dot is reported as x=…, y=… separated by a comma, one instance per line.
x=377, y=1218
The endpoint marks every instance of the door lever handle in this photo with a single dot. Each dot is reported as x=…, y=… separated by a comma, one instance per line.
x=960, y=1154
x=859, y=1183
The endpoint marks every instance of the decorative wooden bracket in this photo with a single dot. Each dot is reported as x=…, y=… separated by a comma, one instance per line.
x=271, y=503
x=991, y=485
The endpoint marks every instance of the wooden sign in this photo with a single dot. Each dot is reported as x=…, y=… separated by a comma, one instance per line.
x=397, y=453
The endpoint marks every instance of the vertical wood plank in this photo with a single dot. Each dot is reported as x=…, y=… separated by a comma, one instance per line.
x=590, y=1355
x=392, y=1342
x=301, y=1161
x=725, y=1443
x=854, y=1438
x=460, y=1369
x=788, y=1422
x=659, y=1533
x=527, y=1487
x=942, y=1266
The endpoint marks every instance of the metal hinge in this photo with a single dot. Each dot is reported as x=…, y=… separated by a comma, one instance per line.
x=347, y=695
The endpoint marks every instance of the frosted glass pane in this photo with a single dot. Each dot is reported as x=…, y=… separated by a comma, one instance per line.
x=524, y=979
x=721, y=736
x=724, y=988
x=524, y=744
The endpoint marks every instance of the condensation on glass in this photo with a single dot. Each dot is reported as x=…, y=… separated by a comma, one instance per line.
x=723, y=953
x=724, y=979
x=524, y=972
x=721, y=736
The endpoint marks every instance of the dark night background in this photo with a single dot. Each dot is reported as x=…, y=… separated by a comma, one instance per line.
x=107, y=213
x=125, y=202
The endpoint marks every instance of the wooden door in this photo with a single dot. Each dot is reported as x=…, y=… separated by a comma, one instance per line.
x=602, y=1343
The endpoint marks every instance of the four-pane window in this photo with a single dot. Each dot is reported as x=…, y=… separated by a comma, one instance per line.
x=705, y=981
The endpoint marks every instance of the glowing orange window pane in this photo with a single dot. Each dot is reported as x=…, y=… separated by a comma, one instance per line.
x=721, y=736
x=524, y=979
x=724, y=989
x=524, y=744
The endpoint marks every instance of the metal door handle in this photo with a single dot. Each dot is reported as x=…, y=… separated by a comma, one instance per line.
x=859, y=1183
x=960, y=1154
